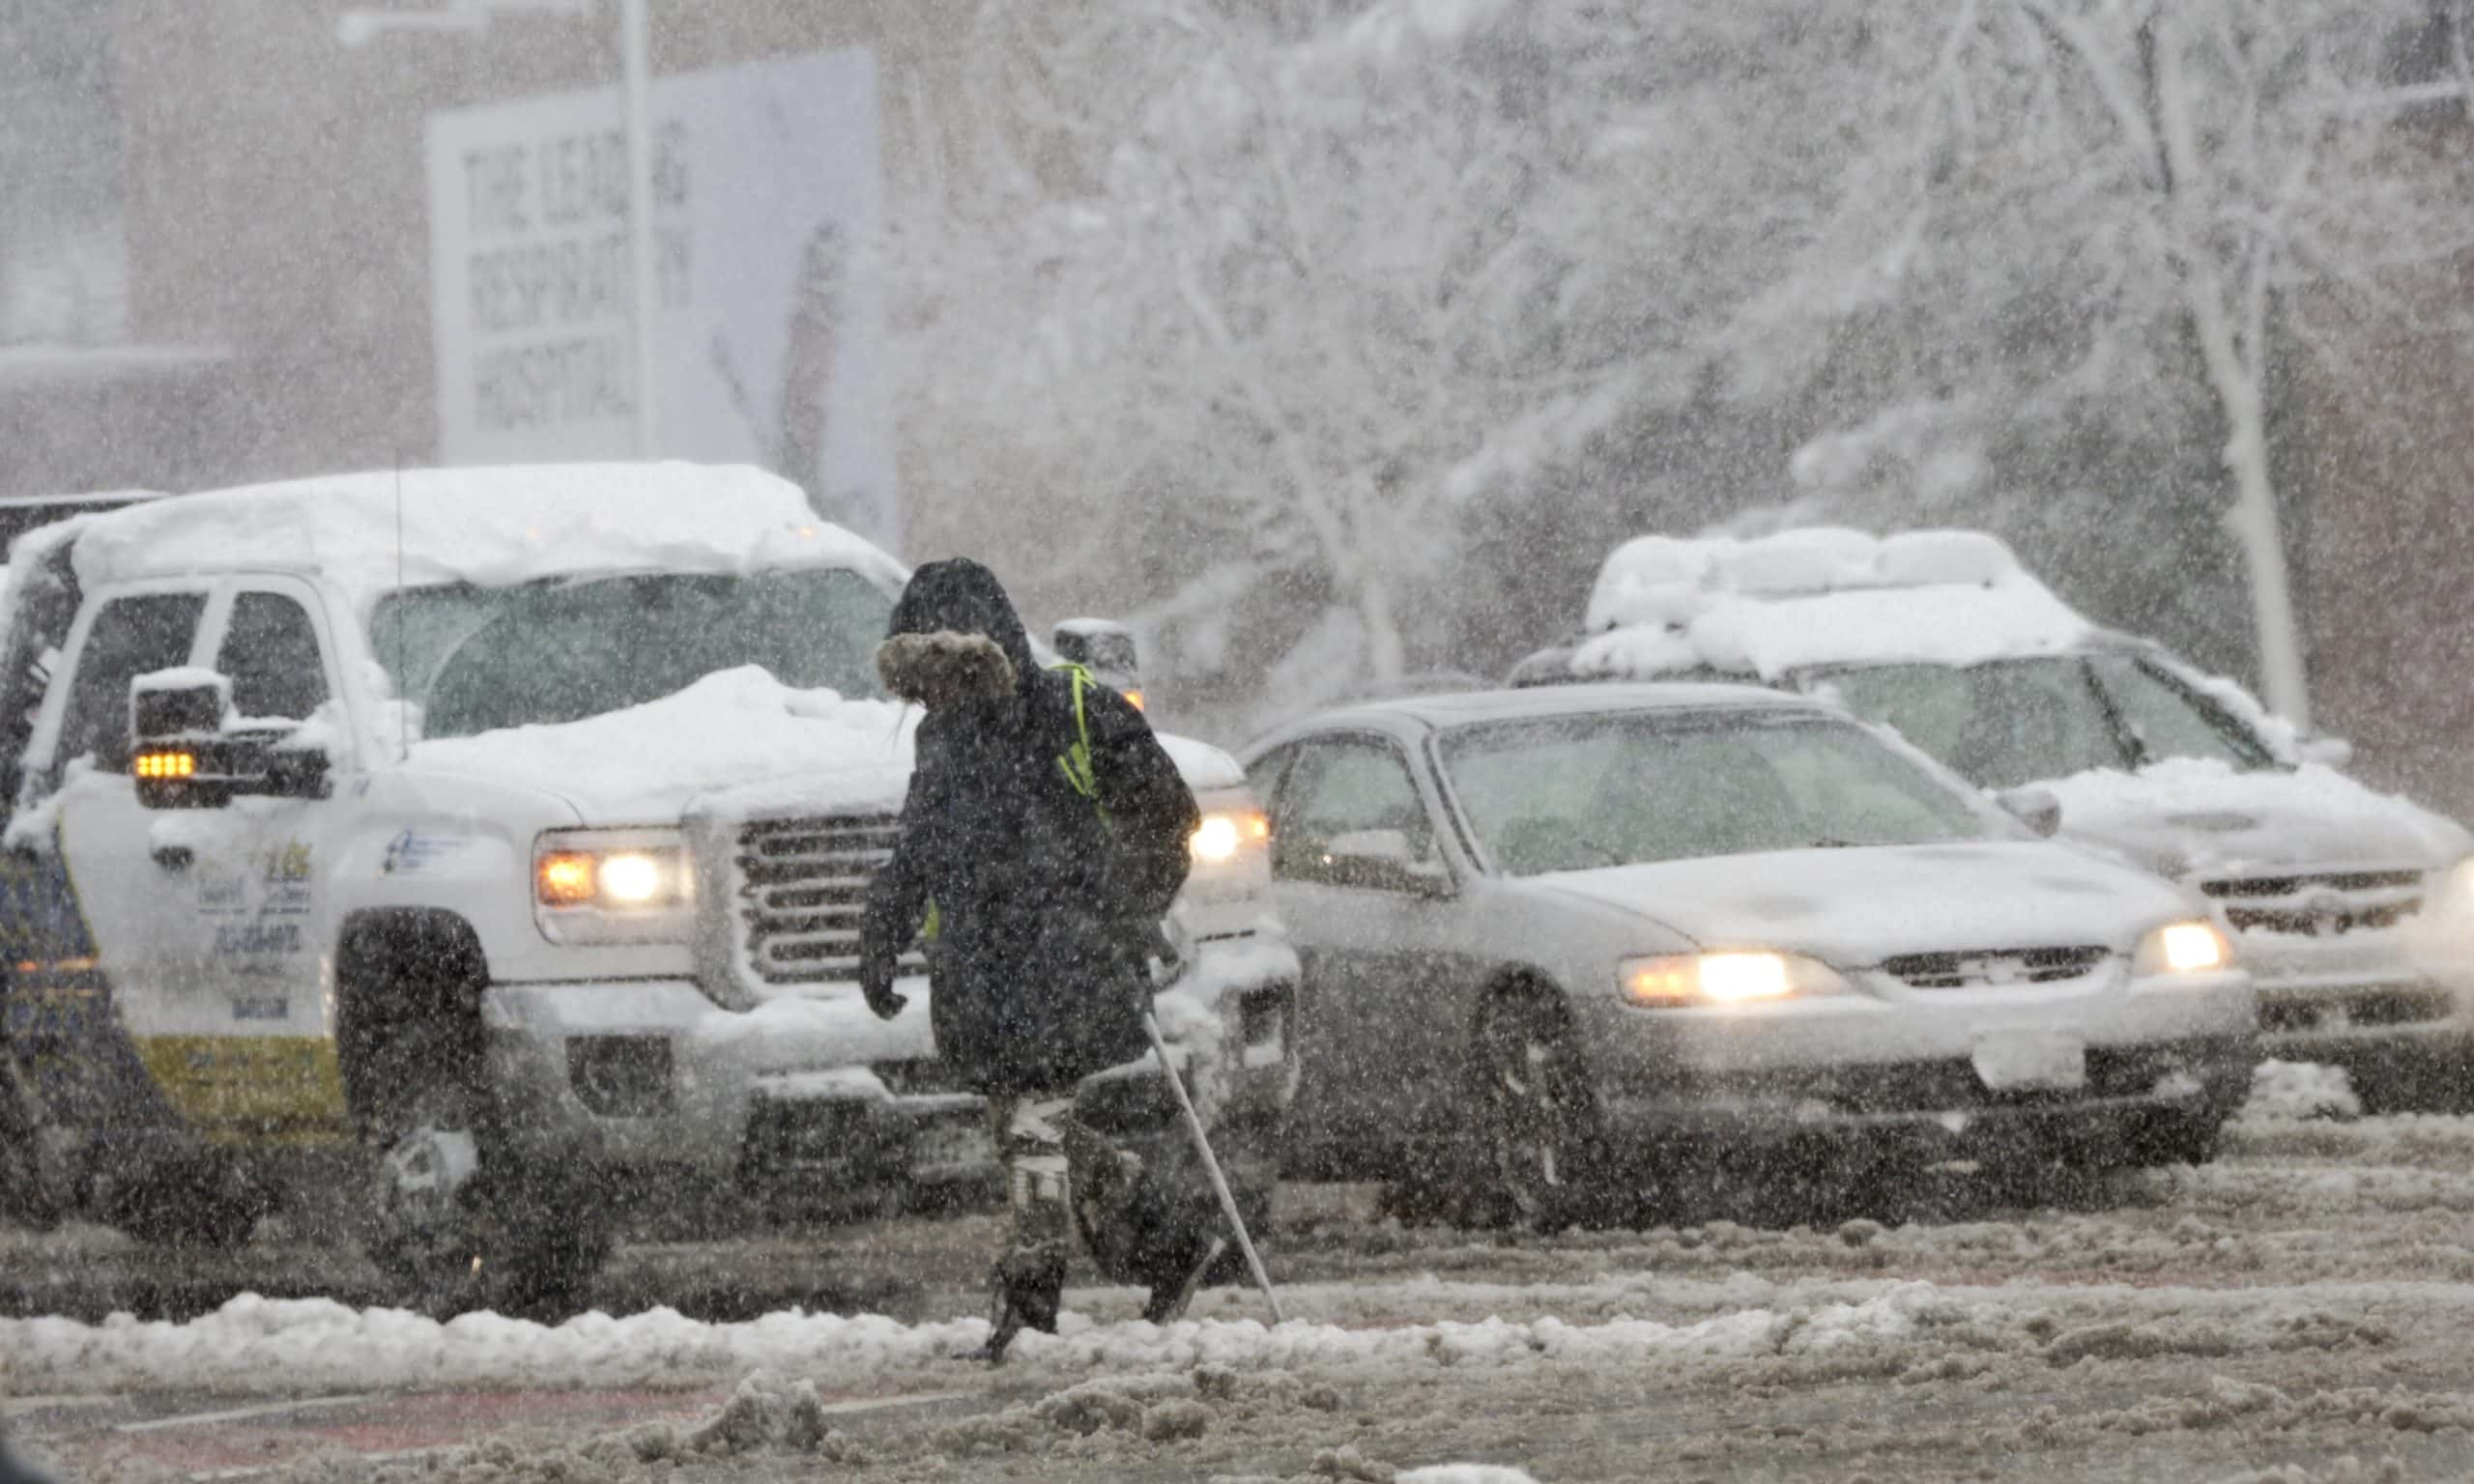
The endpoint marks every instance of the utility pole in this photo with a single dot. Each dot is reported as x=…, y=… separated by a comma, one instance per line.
x=635, y=47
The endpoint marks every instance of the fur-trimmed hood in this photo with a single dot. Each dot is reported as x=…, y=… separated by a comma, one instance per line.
x=941, y=669
x=955, y=636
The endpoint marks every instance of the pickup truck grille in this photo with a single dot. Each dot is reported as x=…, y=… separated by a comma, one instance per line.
x=802, y=889
x=1993, y=969
x=2321, y=905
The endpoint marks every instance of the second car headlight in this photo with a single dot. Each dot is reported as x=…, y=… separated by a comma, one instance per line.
x=614, y=886
x=2195, y=946
x=1723, y=980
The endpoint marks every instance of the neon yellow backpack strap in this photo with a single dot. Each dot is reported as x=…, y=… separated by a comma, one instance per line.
x=1076, y=764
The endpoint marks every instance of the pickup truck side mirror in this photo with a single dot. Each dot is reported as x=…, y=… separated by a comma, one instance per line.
x=1383, y=861
x=2036, y=808
x=187, y=750
x=1105, y=648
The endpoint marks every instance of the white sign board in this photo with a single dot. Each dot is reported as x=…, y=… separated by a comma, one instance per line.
x=770, y=343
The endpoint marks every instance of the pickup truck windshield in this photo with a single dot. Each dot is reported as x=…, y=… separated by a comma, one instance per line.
x=1616, y=789
x=2012, y=722
x=479, y=659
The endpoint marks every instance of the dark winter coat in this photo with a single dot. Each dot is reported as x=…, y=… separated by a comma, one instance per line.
x=1044, y=911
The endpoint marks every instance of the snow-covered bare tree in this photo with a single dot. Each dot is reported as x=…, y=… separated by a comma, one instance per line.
x=1293, y=300
x=2102, y=206
x=1316, y=275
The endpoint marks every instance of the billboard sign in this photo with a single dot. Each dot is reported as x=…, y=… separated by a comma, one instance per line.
x=769, y=342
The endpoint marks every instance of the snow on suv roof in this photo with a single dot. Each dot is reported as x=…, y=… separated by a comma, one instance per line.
x=1818, y=596
x=489, y=526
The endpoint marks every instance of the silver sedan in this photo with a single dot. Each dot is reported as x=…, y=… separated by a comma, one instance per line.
x=1565, y=943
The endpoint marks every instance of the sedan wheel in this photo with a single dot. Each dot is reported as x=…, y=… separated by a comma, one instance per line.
x=1536, y=1117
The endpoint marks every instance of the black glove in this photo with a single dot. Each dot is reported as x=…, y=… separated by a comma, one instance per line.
x=876, y=983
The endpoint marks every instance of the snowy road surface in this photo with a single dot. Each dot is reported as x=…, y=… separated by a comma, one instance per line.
x=2307, y=1305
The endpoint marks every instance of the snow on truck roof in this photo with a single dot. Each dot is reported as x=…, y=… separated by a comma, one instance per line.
x=488, y=527
x=1820, y=596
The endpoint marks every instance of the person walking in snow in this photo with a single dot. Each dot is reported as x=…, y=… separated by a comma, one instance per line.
x=1043, y=841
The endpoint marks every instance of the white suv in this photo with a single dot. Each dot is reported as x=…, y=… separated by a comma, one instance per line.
x=506, y=832
x=2353, y=909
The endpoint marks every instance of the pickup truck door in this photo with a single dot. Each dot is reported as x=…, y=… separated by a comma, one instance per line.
x=206, y=922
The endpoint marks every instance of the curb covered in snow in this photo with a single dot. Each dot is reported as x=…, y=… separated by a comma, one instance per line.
x=254, y=1344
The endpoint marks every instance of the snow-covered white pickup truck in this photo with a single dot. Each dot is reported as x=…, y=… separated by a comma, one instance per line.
x=498, y=837
x=2353, y=909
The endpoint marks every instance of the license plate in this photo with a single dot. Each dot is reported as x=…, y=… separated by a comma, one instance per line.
x=2030, y=1061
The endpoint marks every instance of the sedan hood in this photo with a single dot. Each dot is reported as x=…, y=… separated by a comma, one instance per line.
x=2188, y=817
x=1855, y=908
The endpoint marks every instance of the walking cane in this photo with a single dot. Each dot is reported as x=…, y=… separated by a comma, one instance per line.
x=1211, y=1164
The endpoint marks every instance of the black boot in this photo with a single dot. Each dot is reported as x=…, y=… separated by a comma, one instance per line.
x=1026, y=1291
x=1173, y=1282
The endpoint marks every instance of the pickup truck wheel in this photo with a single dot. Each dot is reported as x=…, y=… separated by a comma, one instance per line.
x=460, y=1222
x=1537, y=1151
x=188, y=1200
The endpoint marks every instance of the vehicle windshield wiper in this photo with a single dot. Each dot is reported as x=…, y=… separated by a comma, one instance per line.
x=1829, y=842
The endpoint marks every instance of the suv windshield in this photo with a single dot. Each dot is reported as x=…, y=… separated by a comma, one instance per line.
x=1612, y=789
x=479, y=659
x=2011, y=723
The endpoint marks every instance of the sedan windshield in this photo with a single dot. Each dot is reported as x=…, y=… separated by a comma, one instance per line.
x=2011, y=723
x=479, y=659
x=1612, y=789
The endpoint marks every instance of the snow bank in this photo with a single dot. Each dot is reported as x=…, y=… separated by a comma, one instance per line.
x=1743, y=1326
x=733, y=729
x=489, y=526
x=1817, y=596
x=271, y=1347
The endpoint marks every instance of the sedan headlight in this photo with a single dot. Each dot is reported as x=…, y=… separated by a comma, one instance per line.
x=614, y=886
x=2195, y=946
x=1722, y=979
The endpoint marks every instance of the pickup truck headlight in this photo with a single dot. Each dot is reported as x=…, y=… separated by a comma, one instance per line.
x=1723, y=980
x=1226, y=832
x=2195, y=946
x=614, y=886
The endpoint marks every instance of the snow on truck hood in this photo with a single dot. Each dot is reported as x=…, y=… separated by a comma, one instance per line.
x=740, y=742
x=2188, y=815
x=1853, y=907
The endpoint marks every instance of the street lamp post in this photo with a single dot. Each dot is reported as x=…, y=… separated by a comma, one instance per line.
x=358, y=28
x=635, y=45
